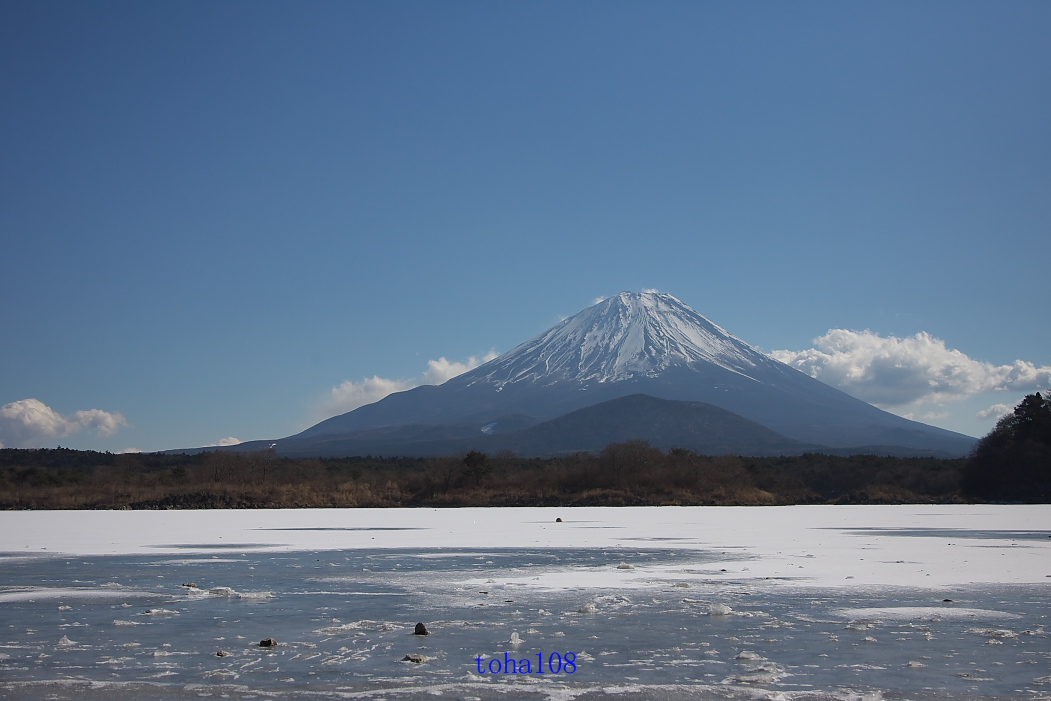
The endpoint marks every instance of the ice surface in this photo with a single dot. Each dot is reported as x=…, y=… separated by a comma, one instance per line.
x=924, y=613
x=945, y=601
x=820, y=546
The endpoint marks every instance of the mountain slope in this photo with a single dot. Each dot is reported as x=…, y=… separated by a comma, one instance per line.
x=623, y=339
x=643, y=343
x=663, y=423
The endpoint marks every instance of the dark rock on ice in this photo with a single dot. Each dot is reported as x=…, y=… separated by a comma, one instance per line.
x=267, y=642
x=421, y=630
x=418, y=659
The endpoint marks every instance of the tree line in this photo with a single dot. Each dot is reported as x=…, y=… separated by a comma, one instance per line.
x=629, y=473
x=1012, y=463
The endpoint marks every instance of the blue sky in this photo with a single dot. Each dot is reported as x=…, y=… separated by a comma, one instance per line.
x=230, y=219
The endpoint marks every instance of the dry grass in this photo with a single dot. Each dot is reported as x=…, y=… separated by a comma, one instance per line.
x=626, y=474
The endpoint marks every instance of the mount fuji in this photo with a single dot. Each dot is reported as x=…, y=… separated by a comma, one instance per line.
x=634, y=366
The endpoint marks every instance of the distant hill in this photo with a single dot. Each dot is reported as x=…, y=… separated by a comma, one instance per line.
x=663, y=423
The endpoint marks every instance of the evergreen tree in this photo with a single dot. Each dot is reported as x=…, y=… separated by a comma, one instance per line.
x=476, y=465
x=1013, y=462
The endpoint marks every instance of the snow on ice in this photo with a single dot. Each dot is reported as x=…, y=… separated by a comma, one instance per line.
x=800, y=602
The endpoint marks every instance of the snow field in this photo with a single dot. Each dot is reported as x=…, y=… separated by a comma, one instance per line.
x=924, y=546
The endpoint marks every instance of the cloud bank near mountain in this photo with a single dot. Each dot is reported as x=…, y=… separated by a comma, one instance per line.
x=29, y=423
x=893, y=372
x=350, y=395
x=229, y=440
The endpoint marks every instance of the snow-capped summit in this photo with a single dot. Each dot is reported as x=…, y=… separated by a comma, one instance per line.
x=630, y=335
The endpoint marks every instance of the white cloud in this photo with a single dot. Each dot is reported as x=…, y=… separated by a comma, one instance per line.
x=926, y=416
x=105, y=423
x=350, y=395
x=30, y=422
x=128, y=450
x=995, y=411
x=441, y=370
x=894, y=372
x=935, y=415
x=229, y=440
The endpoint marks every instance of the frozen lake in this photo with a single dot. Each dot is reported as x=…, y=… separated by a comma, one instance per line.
x=809, y=602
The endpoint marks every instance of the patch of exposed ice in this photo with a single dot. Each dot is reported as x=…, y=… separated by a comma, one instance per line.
x=859, y=626
x=766, y=673
x=359, y=626
x=223, y=674
x=104, y=593
x=994, y=632
x=920, y=613
x=255, y=595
